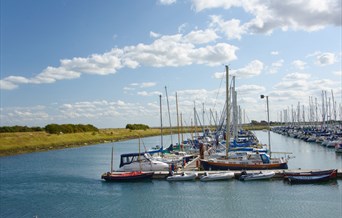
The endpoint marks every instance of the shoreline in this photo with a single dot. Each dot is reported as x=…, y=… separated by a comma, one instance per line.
x=28, y=142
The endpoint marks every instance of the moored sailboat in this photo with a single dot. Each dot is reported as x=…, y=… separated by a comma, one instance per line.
x=257, y=161
x=113, y=176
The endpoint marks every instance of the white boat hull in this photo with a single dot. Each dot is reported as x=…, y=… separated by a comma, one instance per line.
x=217, y=176
x=257, y=176
x=145, y=166
x=183, y=177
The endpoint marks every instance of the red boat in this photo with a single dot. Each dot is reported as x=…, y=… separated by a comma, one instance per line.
x=114, y=176
x=126, y=176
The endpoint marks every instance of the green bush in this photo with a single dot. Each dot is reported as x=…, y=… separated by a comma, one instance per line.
x=137, y=126
x=69, y=128
x=20, y=129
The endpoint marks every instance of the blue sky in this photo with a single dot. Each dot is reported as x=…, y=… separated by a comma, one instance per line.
x=106, y=62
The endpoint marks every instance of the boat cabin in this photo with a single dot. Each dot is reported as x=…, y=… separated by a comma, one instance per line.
x=134, y=157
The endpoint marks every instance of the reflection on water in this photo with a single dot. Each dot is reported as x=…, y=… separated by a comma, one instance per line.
x=66, y=183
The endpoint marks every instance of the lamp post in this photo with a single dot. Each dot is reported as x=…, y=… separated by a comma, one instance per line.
x=268, y=121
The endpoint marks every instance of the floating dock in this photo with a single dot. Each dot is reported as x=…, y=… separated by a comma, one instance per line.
x=193, y=167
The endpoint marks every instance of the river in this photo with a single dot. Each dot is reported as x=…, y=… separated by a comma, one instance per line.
x=66, y=183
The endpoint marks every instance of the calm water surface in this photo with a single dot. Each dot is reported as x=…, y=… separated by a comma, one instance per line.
x=66, y=183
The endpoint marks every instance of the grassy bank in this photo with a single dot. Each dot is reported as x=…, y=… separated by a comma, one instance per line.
x=26, y=142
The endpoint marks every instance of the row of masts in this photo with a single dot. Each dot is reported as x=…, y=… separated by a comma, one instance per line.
x=321, y=114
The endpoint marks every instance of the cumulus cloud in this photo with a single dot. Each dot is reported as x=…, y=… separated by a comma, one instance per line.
x=252, y=69
x=201, y=36
x=307, y=15
x=231, y=28
x=297, y=76
x=274, y=52
x=145, y=93
x=299, y=64
x=301, y=85
x=167, y=2
x=165, y=51
x=275, y=66
x=250, y=89
x=326, y=58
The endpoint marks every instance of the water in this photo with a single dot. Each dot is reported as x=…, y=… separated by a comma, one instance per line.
x=66, y=183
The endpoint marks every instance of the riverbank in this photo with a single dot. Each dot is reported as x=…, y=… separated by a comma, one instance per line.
x=27, y=142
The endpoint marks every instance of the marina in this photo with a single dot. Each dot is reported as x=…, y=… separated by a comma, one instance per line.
x=69, y=182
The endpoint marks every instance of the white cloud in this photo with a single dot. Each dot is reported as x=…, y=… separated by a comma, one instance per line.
x=167, y=2
x=154, y=35
x=200, y=5
x=338, y=73
x=147, y=84
x=294, y=81
x=253, y=68
x=274, y=52
x=7, y=85
x=307, y=15
x=299, y=64
x=182, y=27
x=249, y=89
x=100, y=64
x=166, y=51
x=51, y=74
x=297, y=76
x=326, y=58
x=275, y=66
x=232, y=28
x=144, y=93
x=201, y=36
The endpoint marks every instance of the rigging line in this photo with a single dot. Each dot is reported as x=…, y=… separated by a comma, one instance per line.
x=218, y=92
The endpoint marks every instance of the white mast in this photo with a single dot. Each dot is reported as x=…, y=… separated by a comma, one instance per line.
x=168, y=109
x=228, y=112
x=161, y=122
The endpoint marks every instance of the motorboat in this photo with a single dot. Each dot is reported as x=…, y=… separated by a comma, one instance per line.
x=256, y=176
x=182, y=177
x=217, y=176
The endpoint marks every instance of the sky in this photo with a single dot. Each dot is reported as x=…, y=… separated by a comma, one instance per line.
x=107, y=62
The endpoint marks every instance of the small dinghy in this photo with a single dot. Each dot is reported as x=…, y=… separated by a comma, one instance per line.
x=182, y=177
x=216, y=176
x=314, y=177
x=256, y=176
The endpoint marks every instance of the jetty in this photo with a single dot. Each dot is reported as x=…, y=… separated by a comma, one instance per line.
x=193, y=166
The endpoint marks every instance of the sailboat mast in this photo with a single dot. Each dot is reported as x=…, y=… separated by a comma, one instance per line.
x=168, y=109
x=228, y=112
x=178, y=119
x=161, y=122
x=111, y=161
x=139, y=155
